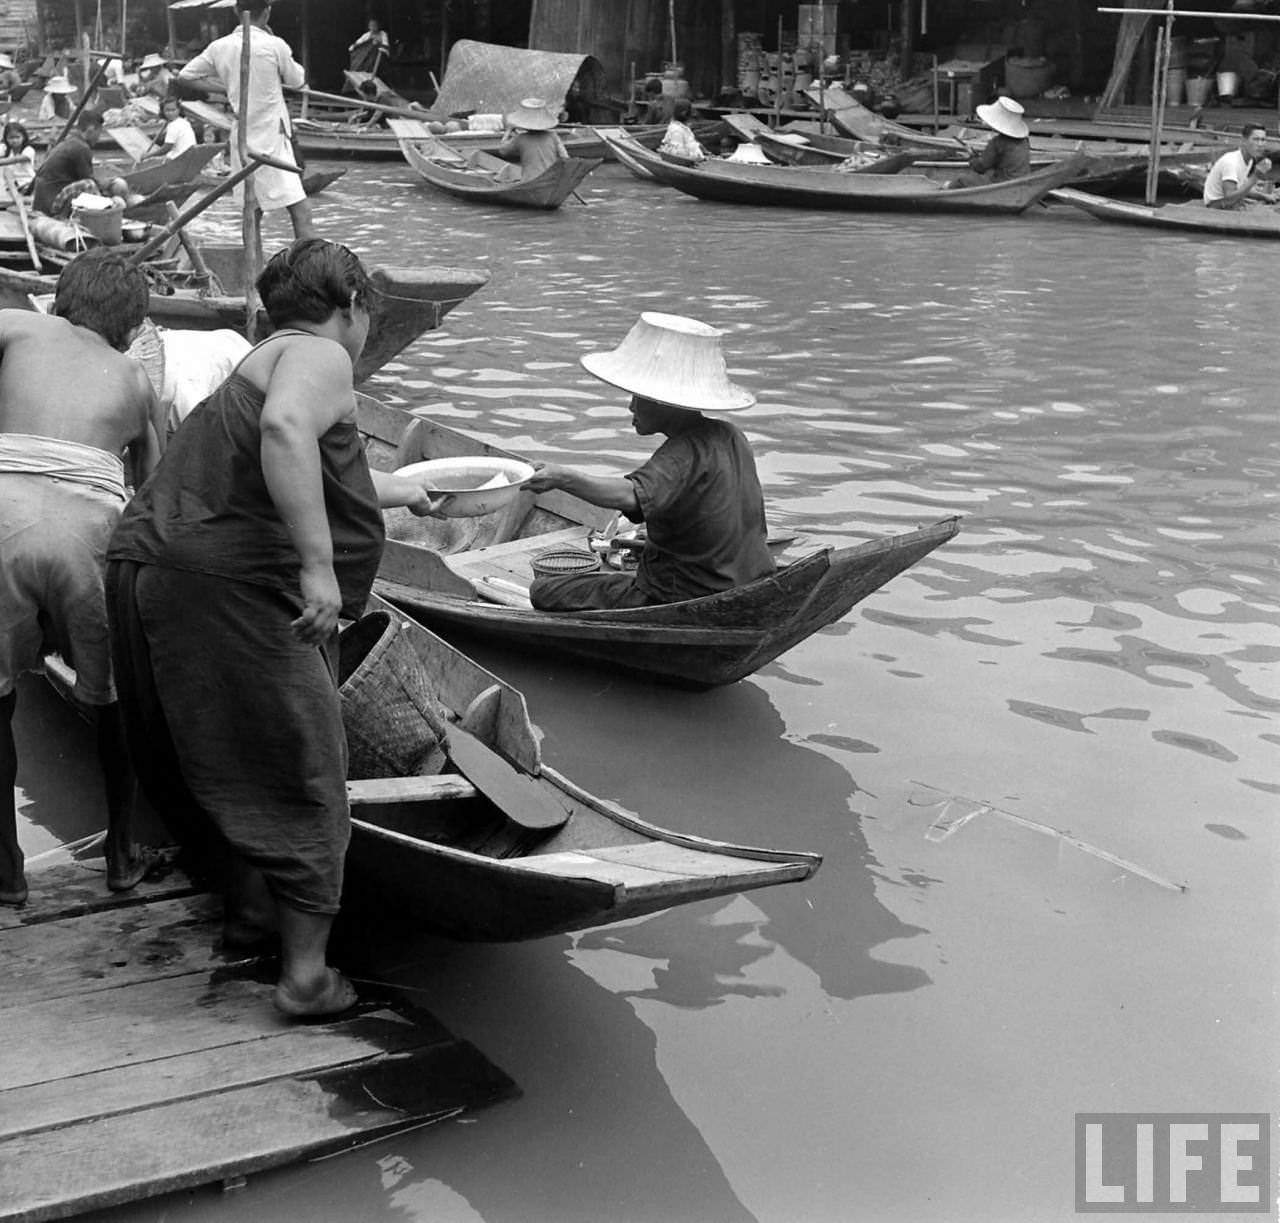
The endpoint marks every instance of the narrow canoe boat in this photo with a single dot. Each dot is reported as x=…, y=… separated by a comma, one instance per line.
x=1253, y=221
x=817, y=187
x=439, y=850
x=407, y=303
x=458, y=572
x=453, y=173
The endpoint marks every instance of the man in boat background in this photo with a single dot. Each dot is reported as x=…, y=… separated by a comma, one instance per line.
x=267, y=126
x=68, y=169
x=70, y=404
x=698, y=494
x=1007, y=154
x=1235, y=174
x=368, y=50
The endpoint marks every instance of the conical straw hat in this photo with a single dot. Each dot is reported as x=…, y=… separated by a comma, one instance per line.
x=1005, y=115
x=58, y=84
x=671, y=360
x=533, y=115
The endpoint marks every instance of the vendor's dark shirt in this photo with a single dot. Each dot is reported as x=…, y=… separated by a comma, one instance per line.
x=1004, y=157
x=67, y=162
x=701, y=503
x=207, y=509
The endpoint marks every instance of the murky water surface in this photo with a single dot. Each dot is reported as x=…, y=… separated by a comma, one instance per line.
x=907, y=1036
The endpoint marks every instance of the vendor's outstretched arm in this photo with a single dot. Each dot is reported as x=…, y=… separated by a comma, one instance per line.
x=610, y=492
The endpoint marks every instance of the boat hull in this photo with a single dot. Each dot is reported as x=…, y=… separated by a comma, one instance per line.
x=1259, y=222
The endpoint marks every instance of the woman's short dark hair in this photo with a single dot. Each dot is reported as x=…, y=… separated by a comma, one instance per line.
x=308, y=281
x=682, y=109
x=89, y=118
x=103, y=291
x=14, y=126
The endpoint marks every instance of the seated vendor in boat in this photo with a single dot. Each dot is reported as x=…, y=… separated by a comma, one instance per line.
x=530, y=141
x=698, y=494
x=72, y=405
x=1234, y=175
x=177, y=135
x=1007, y=154
x=68, y=169
x=679, y=140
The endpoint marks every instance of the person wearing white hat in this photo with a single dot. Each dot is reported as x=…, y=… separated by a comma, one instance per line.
x=267, y=127
x=154, y=77
x=10, y=80
x=698, y=494
x=1007, y=154
x=531, y=141
x=56, y=103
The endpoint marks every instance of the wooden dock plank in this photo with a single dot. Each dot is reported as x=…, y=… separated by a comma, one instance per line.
x=121, y=946
x=298, y=1049
x=101, y=1163
x=138, y=1060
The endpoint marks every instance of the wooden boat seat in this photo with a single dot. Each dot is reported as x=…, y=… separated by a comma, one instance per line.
x=375, y=791
x=652, y=865
x=512, y=556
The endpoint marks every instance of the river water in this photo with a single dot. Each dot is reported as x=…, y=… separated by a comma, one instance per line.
x=1043, y=764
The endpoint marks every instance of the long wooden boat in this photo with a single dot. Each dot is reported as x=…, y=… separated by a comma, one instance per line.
x=451, y=172
x=406, y=303
x=438, y=849
x=1254, y=221
x=815, y=187
x=454, y=572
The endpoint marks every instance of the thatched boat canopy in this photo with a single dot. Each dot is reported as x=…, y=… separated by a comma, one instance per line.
x=487, y=78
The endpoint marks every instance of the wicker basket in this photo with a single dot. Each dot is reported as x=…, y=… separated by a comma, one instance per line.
x=555, y=562
x=392, y=720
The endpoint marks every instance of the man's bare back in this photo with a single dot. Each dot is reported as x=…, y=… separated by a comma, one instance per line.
x=64, y=381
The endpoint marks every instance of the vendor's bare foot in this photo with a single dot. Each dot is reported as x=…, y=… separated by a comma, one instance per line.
x=122, y=875
x=330, y=995
x=16, y=895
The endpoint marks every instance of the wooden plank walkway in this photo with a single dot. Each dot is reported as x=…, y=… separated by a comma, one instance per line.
x=138, y=1058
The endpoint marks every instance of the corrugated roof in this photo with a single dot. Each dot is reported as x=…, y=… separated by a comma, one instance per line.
x=491, y=79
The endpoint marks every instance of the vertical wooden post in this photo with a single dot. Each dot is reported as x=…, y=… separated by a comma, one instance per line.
x=728, y=47
x=124, y=27
x=250, y=217
x=79, y=25
x=173, y=33
x=777, y=82
x=533, y=22
x=1159, y=98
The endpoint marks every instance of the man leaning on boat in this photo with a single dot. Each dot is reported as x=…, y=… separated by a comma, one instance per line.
x=698, y=495
x=1234, y=175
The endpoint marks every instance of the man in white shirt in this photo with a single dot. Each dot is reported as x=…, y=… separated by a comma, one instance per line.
x=1235, y=174
x=267, y=127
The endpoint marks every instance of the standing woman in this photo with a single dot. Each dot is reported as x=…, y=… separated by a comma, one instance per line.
x=226, y=577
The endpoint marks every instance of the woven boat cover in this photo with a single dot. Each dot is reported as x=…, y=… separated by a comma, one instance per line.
x=485, y=78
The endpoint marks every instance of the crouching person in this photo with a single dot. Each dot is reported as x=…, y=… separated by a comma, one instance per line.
x=71, y=405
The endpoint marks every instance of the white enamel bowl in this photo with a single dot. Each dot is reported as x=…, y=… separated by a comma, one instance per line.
x=470, y=485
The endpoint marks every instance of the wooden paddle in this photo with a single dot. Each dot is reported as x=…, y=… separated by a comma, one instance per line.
x=21, y=207
x=517, y=795
x=399, y=112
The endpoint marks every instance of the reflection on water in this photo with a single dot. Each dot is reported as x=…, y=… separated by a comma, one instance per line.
x=1095, y=652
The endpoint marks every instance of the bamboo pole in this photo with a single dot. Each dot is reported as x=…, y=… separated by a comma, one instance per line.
x=173, y=33
x=124, y=27
x=1159, y=99
x=20, y=205
x=250, y=217
x=777, y=83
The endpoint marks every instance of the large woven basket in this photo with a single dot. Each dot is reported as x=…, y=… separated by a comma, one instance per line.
x=392, y=720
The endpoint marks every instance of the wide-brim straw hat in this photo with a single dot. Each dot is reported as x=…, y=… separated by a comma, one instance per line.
x=1005, y=115
x=672, y=360
x=58, y=84
x=153, y=60
x=6, y=61
x=532, y=115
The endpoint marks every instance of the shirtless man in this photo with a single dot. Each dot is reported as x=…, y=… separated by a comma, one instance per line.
x=71, y=404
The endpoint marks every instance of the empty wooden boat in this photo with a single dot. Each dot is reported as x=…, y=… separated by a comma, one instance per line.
x=476, y=179
x=509, y=848
x=474, y=574
x=1251, y=221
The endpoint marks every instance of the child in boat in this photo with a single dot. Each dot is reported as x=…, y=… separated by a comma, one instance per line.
x=698, y=494
x=70, y=405
x=179, y=135
x=226, y=577
x=679, y=140
x=17, y=145
x=531, y=141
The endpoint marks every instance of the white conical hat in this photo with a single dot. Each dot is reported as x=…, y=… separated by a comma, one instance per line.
x=1005, y=115
x=673, y=360
x=532, y=115
x=58, y=84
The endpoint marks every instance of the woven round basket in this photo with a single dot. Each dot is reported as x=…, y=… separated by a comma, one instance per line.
x=557, y=561
x=391, y=718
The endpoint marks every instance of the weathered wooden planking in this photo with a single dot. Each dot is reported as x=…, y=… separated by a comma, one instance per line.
x=81, y=887
x=121, y=946
x=104, y=1162
x=296, y=1049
